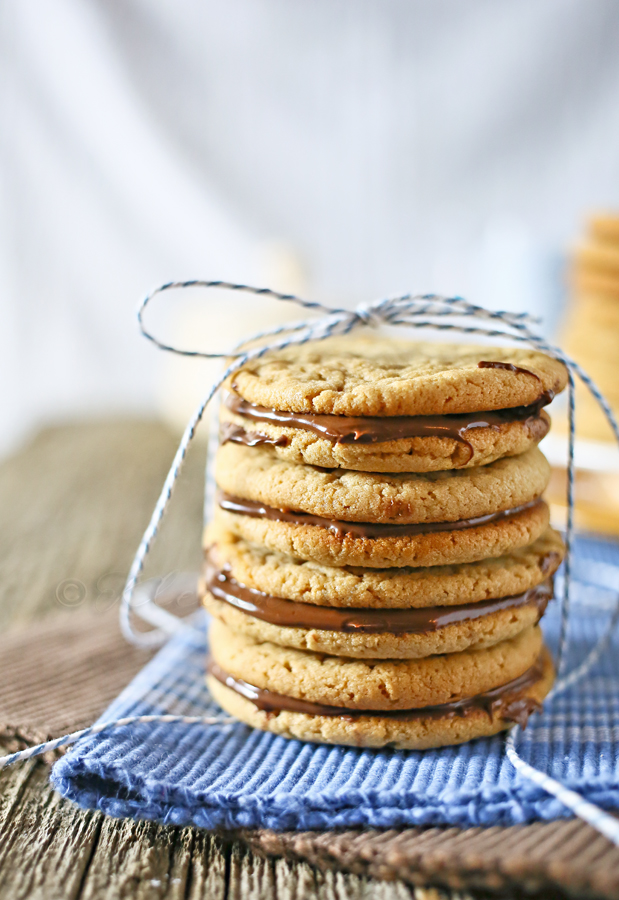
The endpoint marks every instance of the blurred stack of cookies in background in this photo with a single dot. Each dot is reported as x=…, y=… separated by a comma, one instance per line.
x=591, y=338
x=380, y=555
x=592, y=332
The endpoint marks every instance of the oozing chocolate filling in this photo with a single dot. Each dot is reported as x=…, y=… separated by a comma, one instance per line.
x=258, y=510
x=372, y=429
x=507, y=702
x=286, y=613
x=228, y=431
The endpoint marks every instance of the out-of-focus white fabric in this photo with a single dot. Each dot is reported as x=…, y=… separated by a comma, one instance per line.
x=368, y=147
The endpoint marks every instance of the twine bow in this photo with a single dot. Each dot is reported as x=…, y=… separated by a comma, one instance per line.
x=427, y=311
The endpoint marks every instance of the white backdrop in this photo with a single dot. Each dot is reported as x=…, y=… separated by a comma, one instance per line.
x=347, y=147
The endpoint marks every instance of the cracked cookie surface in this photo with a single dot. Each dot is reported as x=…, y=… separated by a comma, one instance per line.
x=311, y=542
x=376, y=731
x=365, y=376
x=304, y=581
x=373, y=684
x=254, y=474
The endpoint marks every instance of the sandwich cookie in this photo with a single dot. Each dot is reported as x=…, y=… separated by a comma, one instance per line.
x=488, y=604
x=375, y=520
x=405, y=704
x=380, y=405
x=387, y=443
x=398, y=588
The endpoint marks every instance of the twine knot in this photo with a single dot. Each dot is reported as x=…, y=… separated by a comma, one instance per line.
x=371, y=314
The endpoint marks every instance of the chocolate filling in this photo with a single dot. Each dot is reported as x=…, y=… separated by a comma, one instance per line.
x=510, y=367
x=372, y=429
x=228, y=431
x=362, y=529
x=288, y=614
x=508, y=702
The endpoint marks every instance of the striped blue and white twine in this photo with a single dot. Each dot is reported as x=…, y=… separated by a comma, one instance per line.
x=429, y=311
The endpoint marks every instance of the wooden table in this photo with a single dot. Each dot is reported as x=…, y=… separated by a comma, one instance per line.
x=73, y=505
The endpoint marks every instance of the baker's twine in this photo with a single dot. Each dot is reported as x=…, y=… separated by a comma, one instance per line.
x=430, y=311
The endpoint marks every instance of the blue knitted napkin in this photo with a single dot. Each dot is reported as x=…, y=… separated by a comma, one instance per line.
x=232, y=776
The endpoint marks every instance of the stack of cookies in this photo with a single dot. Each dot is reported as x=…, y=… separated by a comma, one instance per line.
x=592, y=332
x=381, y=556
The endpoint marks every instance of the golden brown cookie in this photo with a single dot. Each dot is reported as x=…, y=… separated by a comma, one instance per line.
x=365, y=376
x=374, y=634
x=481, y=617
x=605, y=227
x=344, y=548
x=394, y=588
x=389, y=725
x=427, y=444
x=253, y=474
x=372, y=684
x=598, y=257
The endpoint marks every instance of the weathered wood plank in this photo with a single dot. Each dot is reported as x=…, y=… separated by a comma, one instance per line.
x=295, y=881
x=133, y=859
x=73, y=506
x=46, y=843
x=208, y=871
x=59, y=674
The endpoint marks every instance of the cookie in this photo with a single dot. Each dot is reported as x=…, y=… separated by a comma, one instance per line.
x=458, y=719
x=605, y=228
x=491, y=715
x=598, y=258
x=334, y=547
x=387, y=444
x=395, y=588
x=478, y=619
x=253, y=474
x=365, y=376
x=340, y=517
x=593, y=284
x=372, y=634
x=372, y=684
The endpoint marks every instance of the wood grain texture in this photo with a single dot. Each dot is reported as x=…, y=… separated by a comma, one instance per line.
x=73, y=506
x=544, y=859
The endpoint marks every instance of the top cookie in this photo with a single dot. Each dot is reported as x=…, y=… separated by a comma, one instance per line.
x=364, y=376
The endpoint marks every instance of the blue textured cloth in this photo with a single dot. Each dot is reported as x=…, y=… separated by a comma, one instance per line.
x=231, y=776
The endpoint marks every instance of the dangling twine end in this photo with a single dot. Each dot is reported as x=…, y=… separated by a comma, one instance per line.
x=65, y=740
x=588, y=812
